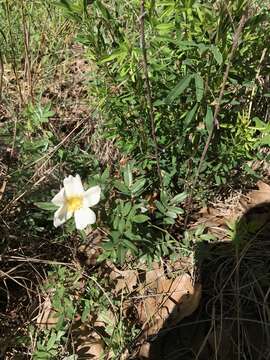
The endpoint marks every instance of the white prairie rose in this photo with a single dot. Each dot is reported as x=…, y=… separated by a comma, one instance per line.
x=72, y=199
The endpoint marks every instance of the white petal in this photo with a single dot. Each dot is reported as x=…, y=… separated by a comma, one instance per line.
x=73, y=186
x=59, y=198
x=92, y=196
x=61, y=216
x=84, y=217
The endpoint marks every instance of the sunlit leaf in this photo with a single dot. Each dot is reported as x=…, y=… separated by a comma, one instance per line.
x=179, y=198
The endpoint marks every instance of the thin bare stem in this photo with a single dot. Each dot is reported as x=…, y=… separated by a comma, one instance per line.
x=221, y=93
x=148, y=90
x=26, y=38
x=14, y=64
x=215, y=123
x=256, y=79
x=1, y=74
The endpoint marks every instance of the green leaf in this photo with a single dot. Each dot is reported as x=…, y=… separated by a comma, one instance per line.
x=46, y=206
x=208, y=119
x=86, y=311
x=164, y=28
x=207, y=237
x=84, y=4
x=168, y=221
x=177, y=210
x=108, y=246
x=190, y=115
x=132, y=236
x=126, y=209
x=164, y=198
x=130, y=245
x=42, y=355
x=264, y=141
x=121, y=253
x=217, y=54
x=51, y=341
x=106, y=174
x=116, y=221
x=128, y=178
x=160, y=207
x=199, y=87
x=121, y=187
x=185, y=43
x=122, y=225
x=158, y=103
x=140, y=218
x=217, y=179
x=250, y=171
x=202, y=48
x=66, y=3
x=179, y=198
x=69, y=8
x=133, y=210
x=260, y=125
x=199, y=230
x=104, y=11
x=178, y=89
x=115, y=236
x=171, y=214
x=115, y=55
x=128, y=225
x=139, y=184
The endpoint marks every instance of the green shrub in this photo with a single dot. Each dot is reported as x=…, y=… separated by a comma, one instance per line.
x=188, y=45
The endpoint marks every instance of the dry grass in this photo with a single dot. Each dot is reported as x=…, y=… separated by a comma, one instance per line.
x=232, y=321
x=27, y=257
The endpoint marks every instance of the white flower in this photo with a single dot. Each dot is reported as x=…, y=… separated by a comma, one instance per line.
x=73, y=200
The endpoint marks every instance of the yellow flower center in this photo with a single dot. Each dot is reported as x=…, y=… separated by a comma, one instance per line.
x=74, y=203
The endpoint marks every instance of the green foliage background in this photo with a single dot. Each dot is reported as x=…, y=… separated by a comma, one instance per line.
x=188, y=45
